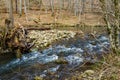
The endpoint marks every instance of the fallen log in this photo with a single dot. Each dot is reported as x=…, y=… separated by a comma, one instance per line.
x=41, y=29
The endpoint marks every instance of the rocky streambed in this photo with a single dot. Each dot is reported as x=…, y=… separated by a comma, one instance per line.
x=67, y=51
x=46, y=38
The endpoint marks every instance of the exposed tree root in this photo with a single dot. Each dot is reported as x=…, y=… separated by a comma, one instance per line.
x=15, y=39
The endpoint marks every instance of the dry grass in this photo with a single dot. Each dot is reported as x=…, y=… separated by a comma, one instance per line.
x=109, y=68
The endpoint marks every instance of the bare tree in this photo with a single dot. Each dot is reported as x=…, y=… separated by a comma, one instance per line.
x=25, y=6
x=75, y=7
x=111, y=16
x=82, y=6
x=16, y=2
x=40, y=3
x=52, y=5
x=60, y=4
x=25, y=9
x=20, y=7
x=91, y=4
x=69, y=4
x=28, y=3
x=7, y=5
x=11, y=12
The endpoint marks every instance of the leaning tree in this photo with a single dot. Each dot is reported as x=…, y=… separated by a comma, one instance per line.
x=111, y=11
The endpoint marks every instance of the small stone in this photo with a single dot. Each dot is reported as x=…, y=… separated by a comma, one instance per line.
x=89, y=72
x=38, y=78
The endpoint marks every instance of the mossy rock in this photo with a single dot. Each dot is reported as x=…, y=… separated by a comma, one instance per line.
x=61, y=61
x=38, y=78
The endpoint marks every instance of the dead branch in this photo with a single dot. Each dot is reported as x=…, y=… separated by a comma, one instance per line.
x=41, y=29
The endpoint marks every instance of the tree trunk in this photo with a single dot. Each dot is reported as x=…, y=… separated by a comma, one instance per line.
x=7, y=5
x=113, y=28
x=11, y=13
x=60, y=5
x=76, y=7
x=82, y=6
x=20, y=12
x=52, y=5
x=25, y=9
x=91, y=5
x=16, y=2
x=116, y=31
x=40, y=3
x=28, y=4
x=69, y=4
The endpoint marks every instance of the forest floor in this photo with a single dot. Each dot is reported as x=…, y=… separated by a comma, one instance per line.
x=64, y=17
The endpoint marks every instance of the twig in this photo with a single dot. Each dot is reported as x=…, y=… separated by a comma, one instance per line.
x=102, y=73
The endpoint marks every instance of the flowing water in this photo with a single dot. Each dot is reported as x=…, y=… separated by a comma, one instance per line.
x=72, y=51
x=42, y=63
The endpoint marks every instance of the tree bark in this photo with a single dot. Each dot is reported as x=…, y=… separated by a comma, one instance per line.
x=60, y=4
x=11, y=13
x=76, y=7
x=52, y=5
x=82, y=6
x=113, y=28
x=20, y=7
x=16, y=3
x=28, y=4
x=7, y=5
x=25, y=9
x=91, y=5
x=69, y=4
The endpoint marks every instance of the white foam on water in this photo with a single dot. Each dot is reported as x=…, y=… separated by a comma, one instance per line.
x=58, y=49
x=103, y=38
x=72, y=59
x=51, y=58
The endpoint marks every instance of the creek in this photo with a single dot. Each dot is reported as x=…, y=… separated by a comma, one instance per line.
x=72, y=51
x=42, y=63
